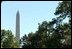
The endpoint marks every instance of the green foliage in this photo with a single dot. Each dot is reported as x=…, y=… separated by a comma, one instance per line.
x=63, y=7
x=8, y=40
x=48, y=36
x=64, y=10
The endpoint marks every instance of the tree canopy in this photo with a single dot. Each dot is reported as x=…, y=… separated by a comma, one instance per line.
x=8, y=40
x=48, y=36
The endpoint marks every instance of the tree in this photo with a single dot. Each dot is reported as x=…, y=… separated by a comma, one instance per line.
x=8, y=40
x=67, y=35
x=42, y=39
x=64, y=10
x=48, y=36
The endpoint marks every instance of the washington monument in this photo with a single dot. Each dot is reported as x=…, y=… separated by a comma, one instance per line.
x=18, y=27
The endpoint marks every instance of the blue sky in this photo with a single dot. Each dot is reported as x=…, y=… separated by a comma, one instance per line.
x=31, y=13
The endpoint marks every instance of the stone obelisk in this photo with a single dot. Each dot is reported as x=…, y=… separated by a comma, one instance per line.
x=18, y=27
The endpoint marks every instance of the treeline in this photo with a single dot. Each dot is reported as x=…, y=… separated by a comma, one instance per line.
x=52, y=34
x=8, y=40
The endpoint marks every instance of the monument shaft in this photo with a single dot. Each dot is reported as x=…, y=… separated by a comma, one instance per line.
x=18, y=27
